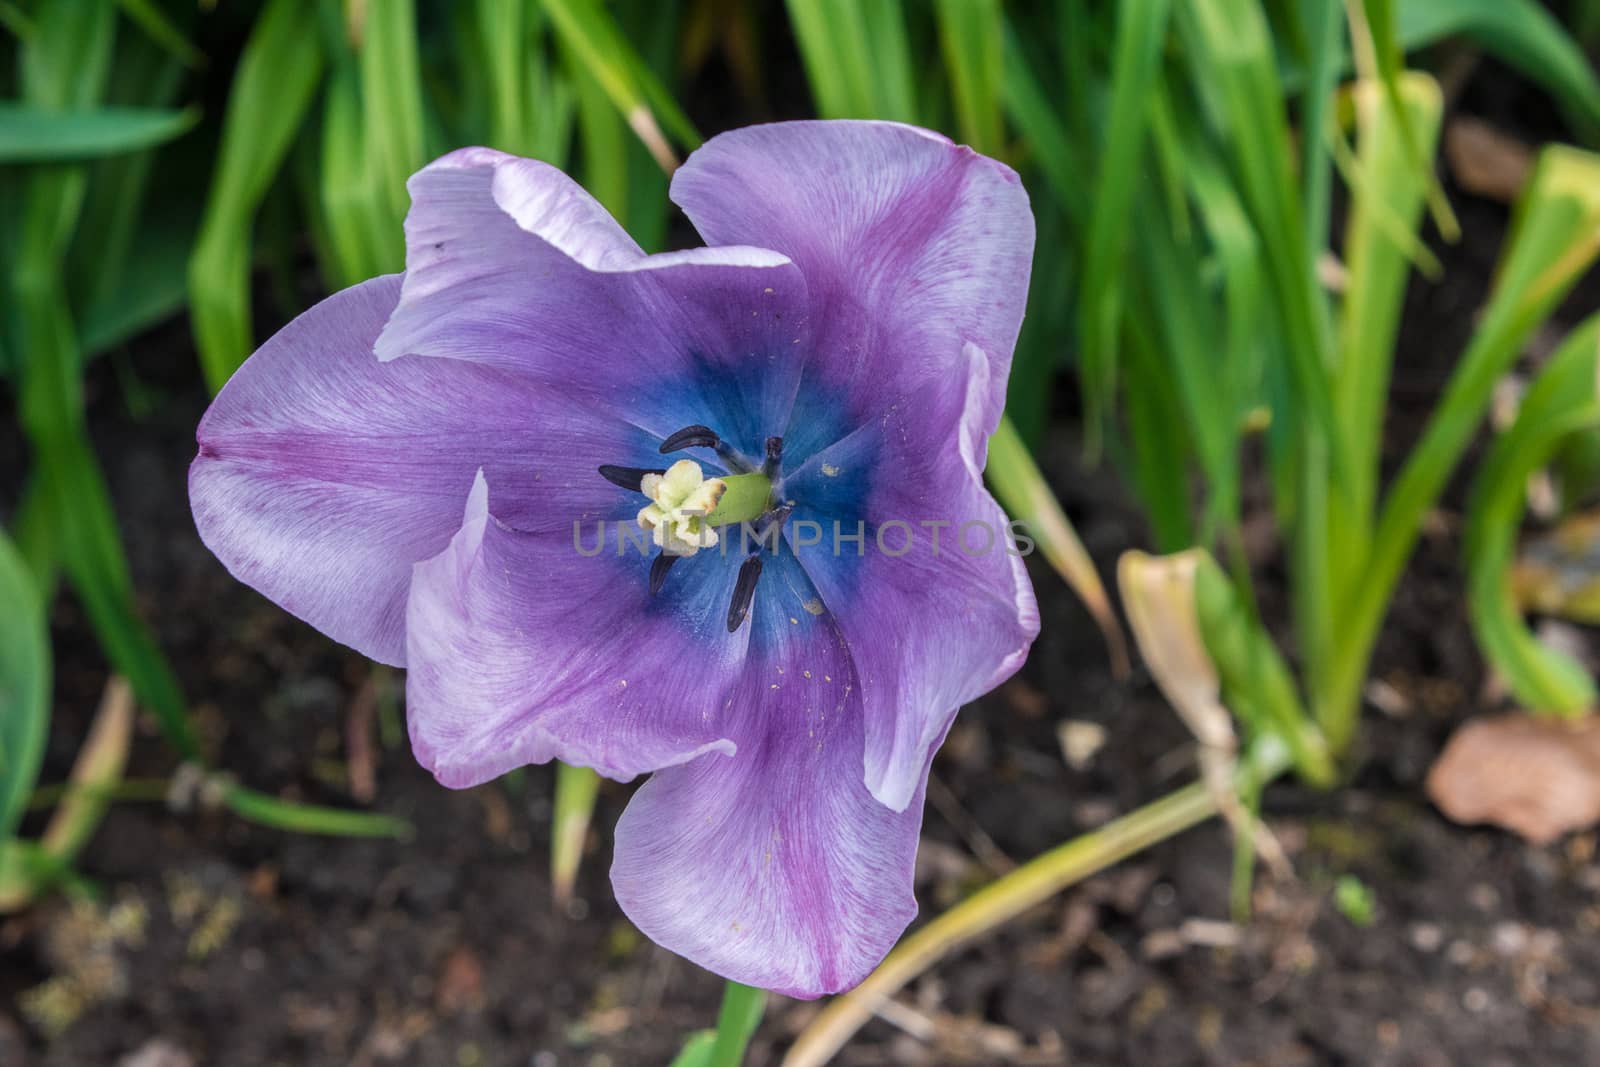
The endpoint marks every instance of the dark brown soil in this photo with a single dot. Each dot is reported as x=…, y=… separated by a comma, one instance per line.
x=230, y=944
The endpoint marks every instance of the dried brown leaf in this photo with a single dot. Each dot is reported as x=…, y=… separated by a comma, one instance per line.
x=1537, y=777
x=1485, y=161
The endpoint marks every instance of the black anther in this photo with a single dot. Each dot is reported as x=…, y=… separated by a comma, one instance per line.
x=658, y=571
x=691, y=437
x=744, y=590
x=627, y=477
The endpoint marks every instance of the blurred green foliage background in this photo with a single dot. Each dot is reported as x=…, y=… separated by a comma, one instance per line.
x=1231, y=197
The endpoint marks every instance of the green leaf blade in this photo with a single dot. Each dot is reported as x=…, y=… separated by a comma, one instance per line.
x=24, y=686
x=30, y=134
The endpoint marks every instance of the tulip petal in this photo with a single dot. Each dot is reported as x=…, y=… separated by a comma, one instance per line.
x=916, y=254
x=324, y=475
x=776, y=867
x=510, y=263
x=936, y=550
x=522, y=648
x=911, y=247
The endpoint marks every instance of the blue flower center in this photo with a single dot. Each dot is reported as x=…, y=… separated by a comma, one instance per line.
x=759, y=519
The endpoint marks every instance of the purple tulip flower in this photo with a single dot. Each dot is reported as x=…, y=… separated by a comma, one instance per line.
x=419, y=465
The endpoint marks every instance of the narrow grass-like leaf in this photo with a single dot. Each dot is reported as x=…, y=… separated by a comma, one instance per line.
x=696, y=1051
x=1234, y=58
x=1159, y=446
x=157, y=26
x=68, y=55
x=297, y=818
x=577, y=789
x=117, y=211
x=505, y=39
x=1026, y=496
x=589, y=31
x=1322, y=73
x=94, y=775
x=42, y=135
x=1047, y=145
x=1255, y=679
x=64, y=67
x=1234, y=62
x=736, y=1024
x=78, y=507
x=1248, y=329
x=1075, y=46
x=11, y=182
x=894, y=88
x=1046, y=135
x=95, y=772
x=278, y=74
x=392, y=119
x=737, y=1020
x=1385, y=209
x=655, y=27
x=971, y=34
x=555, y=102
x=81, y=516
x=1521, y=32
x=351, y=208
x=33, y=531
x=1381, y=23
x=1543, y=678
x=1170, y=160
x=24, y=686
x=1554, y=238
x=142, y=297
x=1041, y=350
x=602, y=148
x=833, y=45
x=1563, y=400
x=15, y=20
x=150, y=790
x=1187, y=327
x=1141, y=27
x=1396, y=229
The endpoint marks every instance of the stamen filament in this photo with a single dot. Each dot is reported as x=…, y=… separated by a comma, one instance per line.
x=774, y=457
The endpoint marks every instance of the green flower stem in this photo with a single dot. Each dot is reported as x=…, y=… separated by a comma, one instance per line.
x=741, y=1011
x=577, y=789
